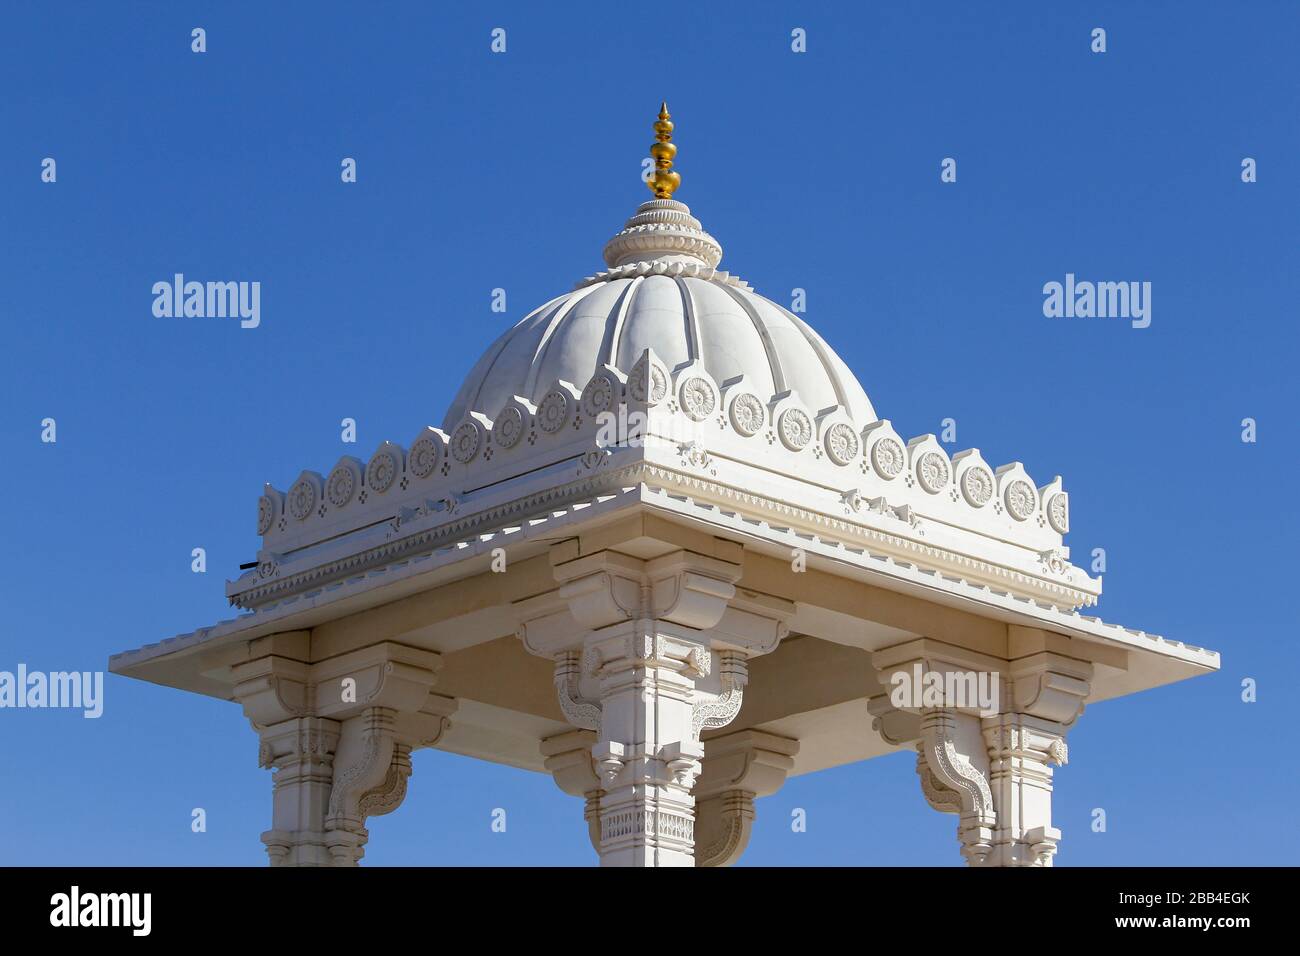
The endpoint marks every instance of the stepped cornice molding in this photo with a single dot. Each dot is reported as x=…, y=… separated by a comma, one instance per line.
x=888, y=531
x=284, y=614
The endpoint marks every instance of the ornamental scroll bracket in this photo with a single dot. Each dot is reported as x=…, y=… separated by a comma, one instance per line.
x=578, y=710
x=722, y=710
x=953, y=771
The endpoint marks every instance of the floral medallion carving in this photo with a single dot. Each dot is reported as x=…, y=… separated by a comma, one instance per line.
x=302, y=499
x=423, y=457
x=698, y=400
x=465, y=441
x=1058, y=512
x=598, y=396
x=932, y=472
x=265, y=514
x=553, y=412
x=887, y=458
x=747, y=414
x=382, y=471
x=509, y=427
x=648, y=382
x=841, y=443
x=977, y=486
x=1020, y=499
x=796, y=428
x=340, y=487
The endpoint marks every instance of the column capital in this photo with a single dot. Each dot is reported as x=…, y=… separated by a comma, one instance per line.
x=993, y=768
x=273, y=688
x=649, y=653
x=338, y=734
x=1051, y=686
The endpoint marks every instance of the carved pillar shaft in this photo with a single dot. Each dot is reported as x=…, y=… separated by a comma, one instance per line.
x=300, y=752
x=641, y=636
x=1021, y=752
x=648, y=754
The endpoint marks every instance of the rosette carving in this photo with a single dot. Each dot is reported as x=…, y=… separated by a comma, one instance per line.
x=795, y=428
x=977, y=486
x=465, y=442
x=382, y=471
x=553, y=412
x=747, y=414
x=509, y=427
x=423, y=457
x=697, y=398
x=841, y=443
x=932, y=472
x=1020, y=499
x=887, y=458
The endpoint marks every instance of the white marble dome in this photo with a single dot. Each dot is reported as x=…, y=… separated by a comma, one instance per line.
x=664, y=292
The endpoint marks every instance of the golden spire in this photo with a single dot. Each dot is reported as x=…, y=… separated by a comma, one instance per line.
x=664, y=180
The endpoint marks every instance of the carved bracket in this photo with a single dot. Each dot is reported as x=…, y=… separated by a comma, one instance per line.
x=723, y=709
x=578, y=711
x=955, y=771
x=373, y=780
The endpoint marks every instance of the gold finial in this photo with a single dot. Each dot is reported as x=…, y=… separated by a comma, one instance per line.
x=664, y=181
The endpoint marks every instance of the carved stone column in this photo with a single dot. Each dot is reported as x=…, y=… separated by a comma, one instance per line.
x=738, y=768
x=648, y=751
x=300, y=751
x=990, y=765
x=648, y=655
x=338, y=734
x=1047, y=695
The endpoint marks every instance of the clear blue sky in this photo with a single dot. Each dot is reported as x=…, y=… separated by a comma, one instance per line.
x=478, y=171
